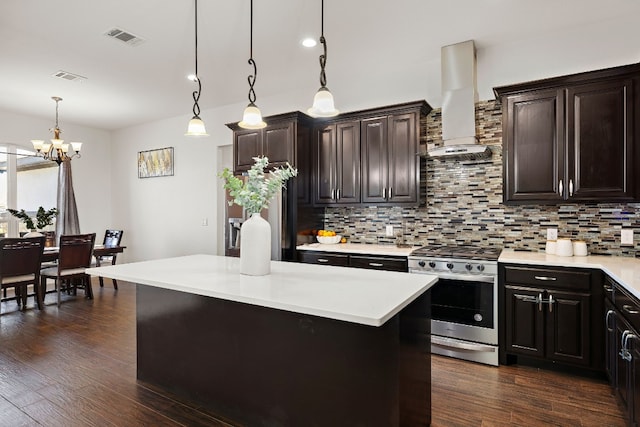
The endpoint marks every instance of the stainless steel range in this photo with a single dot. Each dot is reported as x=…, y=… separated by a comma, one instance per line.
x=464, y=313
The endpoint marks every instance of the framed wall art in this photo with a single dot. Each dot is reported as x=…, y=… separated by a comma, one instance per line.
x=154, y=163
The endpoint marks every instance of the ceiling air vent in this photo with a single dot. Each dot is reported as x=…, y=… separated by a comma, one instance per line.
x=124, y=36
x=65, y=75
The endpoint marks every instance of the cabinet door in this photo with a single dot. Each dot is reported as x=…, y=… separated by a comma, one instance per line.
x=568, y=328
x=347, y=161
x=325, y=165
x=600, y=139
x=375, y=166
x=247, y=145
x=634, y=384
x=611, y=349
x=623, y=367
x=403, y=160
x=524, y=321
x=277, y=144
x=534, y=143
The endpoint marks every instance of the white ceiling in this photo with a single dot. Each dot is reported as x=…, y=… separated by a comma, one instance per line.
x=373, y=45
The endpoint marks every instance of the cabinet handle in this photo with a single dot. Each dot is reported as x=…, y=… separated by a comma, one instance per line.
x=338, y=194
x=376, y=264
x=570, y=188
x=608, y=288
x=333, y=194
x=390, y=193
x=624, y=352
x=606, y=320
x=629, y=309
x=384, y=193
x=323, y=260
x=551, y=301
x=560, y=188
x=540, y=301
x=545, y=278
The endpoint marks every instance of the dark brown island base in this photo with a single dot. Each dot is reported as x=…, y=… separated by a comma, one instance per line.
x=303, y=346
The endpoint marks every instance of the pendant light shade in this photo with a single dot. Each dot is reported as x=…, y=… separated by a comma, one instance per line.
x=252, y=117
x=323, y=105
x=196, y=125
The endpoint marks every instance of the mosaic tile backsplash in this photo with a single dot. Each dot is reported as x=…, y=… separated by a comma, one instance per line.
x=464, y=206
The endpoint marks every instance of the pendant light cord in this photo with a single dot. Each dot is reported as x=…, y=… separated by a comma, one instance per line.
x=252, y=77
x=196, y=93
x=323, y=57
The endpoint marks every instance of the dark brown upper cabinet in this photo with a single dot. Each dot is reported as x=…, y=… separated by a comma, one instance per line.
x=571, y=138
x=390, y=159
x=287, y=138
x=336, y=157
x=369, y=157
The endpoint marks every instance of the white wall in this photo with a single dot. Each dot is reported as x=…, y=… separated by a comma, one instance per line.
x=91, y=172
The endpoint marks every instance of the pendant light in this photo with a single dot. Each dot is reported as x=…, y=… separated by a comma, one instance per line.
x=252, y=117
x=196, y=125
x=323, y=105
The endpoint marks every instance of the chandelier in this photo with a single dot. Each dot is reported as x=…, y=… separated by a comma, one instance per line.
x=57, y=150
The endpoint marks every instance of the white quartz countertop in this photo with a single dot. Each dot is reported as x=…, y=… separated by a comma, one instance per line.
x=625, y=270
x=368, y=297
x=358, y=248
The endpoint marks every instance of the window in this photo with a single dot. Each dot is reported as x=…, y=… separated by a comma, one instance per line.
x=26, y=182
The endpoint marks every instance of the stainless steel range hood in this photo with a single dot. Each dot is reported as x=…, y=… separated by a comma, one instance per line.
x=459, y=96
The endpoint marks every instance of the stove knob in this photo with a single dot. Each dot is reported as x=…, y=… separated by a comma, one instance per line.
x=432, y=264
x=469, y=267
x=421, y=263
x=450, y=265
x=481, y=267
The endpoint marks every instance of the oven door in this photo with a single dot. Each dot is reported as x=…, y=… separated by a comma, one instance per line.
x=464, y=307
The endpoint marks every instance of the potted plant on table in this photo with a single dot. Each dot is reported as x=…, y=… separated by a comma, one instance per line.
x=254, y=193
x=42, y=219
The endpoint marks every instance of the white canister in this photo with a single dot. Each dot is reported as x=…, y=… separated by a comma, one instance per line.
x=580, y=248
x=564, y=247
x=551, y=247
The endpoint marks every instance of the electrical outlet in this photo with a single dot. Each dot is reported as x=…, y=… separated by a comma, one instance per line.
x=205, y=222
x=389, y=232
x=552, y=234
x=626, y=236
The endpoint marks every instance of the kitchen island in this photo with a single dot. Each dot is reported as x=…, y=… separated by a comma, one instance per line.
x=305, y=345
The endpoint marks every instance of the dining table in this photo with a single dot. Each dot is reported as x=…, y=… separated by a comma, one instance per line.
x=51, y=253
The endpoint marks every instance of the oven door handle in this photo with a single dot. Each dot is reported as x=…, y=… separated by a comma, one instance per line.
x=460, y=345
x=467, y=277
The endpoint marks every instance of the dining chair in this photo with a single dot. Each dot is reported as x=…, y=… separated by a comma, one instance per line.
x=20, y=260
x=111, y=238
x=75, y=251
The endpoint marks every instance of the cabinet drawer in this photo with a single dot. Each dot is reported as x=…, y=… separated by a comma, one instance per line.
x=628, y=306
x=379, y=263
x=549, y=277
x=324, y=258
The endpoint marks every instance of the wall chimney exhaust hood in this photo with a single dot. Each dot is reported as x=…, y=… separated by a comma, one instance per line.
x=459, y=96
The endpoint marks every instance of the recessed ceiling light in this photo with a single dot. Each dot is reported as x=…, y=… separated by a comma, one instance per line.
x=309, y=42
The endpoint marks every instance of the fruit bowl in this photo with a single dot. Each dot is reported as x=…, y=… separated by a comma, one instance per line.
x=329, y=240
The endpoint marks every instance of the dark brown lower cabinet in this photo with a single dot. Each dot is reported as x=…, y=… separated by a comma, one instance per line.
x=372, y=262
x=622, y=321
x=549, y=315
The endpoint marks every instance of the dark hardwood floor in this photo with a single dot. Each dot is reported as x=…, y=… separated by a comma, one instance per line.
x=76, y=366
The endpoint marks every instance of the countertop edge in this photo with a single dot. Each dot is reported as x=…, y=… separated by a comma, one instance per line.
x=624, y=270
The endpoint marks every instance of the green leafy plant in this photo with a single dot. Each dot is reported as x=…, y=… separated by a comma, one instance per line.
x=257, y=190
x=43, y=218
